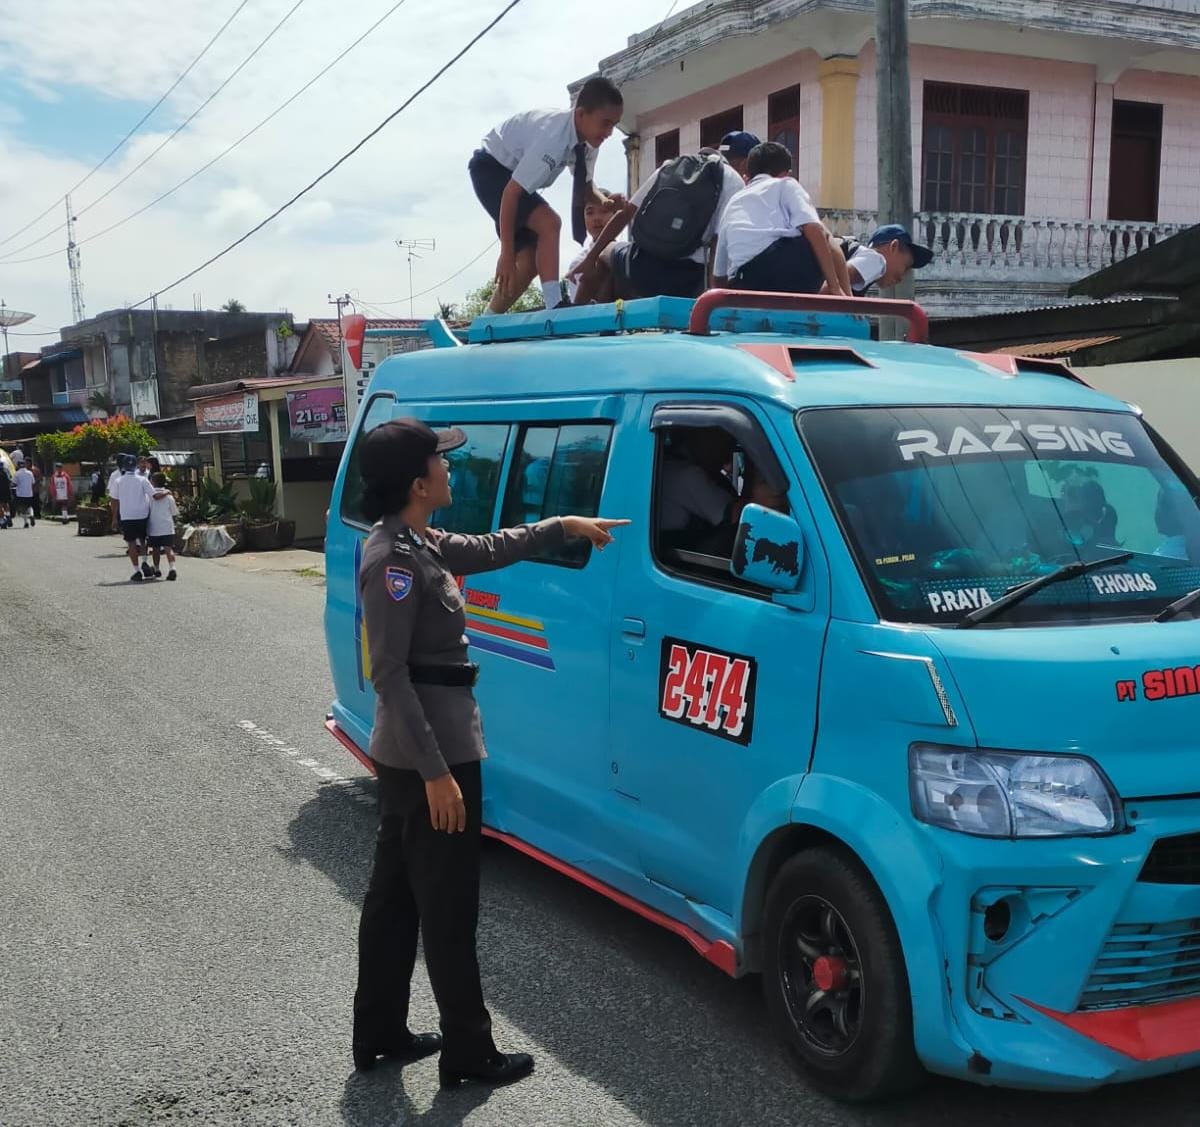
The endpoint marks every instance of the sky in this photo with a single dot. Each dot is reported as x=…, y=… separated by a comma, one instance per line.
x=74, y=78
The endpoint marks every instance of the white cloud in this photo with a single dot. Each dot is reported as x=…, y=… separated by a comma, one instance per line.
x=410, y=181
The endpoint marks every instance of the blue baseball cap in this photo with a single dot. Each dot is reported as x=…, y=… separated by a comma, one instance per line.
x=738, y=144
x=922, y=256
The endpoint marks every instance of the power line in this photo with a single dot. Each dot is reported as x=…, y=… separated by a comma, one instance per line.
x=438, y=286
x=650, y=39
x=175, y=133
x=339, y=162
x=122, y=142
x=221, y=155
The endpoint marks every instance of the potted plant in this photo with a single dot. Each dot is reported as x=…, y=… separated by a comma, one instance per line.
x=214, y=504
x=93, y=520
x=262, y=526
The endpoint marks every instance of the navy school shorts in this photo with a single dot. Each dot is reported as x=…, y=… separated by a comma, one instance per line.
x=489, y=178
x=787, y=266
x=638, y=274
x=134, y=530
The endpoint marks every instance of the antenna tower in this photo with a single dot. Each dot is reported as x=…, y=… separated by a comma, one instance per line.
x=77, y=310
x=410, y=247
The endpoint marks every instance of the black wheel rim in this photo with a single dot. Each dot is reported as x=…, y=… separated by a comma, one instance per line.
x=821, y=976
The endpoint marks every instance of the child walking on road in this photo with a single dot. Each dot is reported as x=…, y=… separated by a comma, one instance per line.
x=25, y=487
x=61, y=490
x=160, y=531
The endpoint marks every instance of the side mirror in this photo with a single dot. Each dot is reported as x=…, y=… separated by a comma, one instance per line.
x=768, y=550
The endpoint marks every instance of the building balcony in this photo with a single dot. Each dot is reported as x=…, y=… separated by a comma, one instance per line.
x=997, y=263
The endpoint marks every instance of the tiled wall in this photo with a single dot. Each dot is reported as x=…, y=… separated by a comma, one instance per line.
x=1070, y=123
x=750, y=91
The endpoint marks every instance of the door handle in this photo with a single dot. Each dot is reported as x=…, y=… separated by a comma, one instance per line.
x=633, y=628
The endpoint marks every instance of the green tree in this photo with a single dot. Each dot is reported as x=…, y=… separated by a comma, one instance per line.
x=233, y=306
x=447, y=311
x=476, y=302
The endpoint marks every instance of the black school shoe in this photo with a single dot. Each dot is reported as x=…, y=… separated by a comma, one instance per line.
x=417, y=1047
x=496, y=1071
x=136, y=577
x=171, y=575
x=147, y=571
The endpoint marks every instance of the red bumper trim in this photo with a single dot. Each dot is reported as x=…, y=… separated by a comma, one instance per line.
x=719, y=952
x=1168, y=1029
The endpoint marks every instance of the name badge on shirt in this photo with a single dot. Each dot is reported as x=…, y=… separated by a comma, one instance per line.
x=399, y=583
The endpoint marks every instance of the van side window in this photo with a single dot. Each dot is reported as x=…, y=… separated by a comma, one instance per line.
x=378, y=410
x=703, y=478
x=557, y=470
x=474, y=478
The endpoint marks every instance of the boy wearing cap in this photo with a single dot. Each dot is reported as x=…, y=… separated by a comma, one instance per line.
x=524, y=154
x=771, y=236
x=886, y=258
x=735, y=147
x=426, y=744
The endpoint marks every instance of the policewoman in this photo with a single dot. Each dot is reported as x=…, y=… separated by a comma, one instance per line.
x=426, y=746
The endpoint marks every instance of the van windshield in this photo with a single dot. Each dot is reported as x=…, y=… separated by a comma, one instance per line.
x=947, y=508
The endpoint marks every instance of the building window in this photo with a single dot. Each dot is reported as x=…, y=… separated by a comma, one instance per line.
x=712, y=129
x=1134, y=164
x=475, y=479
x=783, y=122
x=973, y=151
x=666, y=147
x=558, y=470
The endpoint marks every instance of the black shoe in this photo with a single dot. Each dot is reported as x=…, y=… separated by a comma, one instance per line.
x=419, y=1046
x=171, y=575
x=147, y=571
x=503, y=1068
x=136, y=577
x=157, y=574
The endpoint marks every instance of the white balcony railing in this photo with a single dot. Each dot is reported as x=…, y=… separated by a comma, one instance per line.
x=1017, y=246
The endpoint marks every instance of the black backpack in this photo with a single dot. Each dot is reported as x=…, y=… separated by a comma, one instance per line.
x=675, y=214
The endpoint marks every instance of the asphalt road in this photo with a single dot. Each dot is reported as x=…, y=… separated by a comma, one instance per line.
x=184, y=854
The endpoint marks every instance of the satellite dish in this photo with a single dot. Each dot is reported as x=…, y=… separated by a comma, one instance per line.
x=11, y=317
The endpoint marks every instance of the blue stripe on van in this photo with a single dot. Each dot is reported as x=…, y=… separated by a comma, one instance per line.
x=527, y=657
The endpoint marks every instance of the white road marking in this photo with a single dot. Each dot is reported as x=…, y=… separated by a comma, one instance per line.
x=327, y=775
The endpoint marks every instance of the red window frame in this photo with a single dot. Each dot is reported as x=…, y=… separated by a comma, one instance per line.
x=783, y=122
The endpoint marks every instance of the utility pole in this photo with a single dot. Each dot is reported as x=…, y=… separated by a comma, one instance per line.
x=340, y=301
x=77, y=310
x=411, y=246
x=893, y=123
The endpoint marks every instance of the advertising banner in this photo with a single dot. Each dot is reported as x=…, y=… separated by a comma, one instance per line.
x=318, y=415
x=229, y=414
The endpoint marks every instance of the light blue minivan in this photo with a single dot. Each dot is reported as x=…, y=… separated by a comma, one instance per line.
x=910, y=725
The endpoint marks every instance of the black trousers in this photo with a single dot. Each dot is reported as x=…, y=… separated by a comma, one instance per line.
x=428, y=879
x=786, y=266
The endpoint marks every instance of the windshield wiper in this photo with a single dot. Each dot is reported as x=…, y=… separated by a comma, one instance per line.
x=1021, y=592
x=1178, y=606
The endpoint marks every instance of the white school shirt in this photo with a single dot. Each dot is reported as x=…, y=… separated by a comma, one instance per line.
x=766, y=210
x=111, y=487
x=134, y=494
x=163, y=512
x=25, y=482
x=870, y=265
x=730, y=186
x=537, y=145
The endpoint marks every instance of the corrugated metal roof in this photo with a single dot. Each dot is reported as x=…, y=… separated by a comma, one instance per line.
x=26, y=415
x=1056, y=348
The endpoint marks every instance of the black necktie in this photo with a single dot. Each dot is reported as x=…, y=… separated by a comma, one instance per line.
x=578, y=193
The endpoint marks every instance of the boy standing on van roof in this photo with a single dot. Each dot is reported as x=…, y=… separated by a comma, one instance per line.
x=528, y=152
x=673, y=219
x=886, y=257
x=771, y=235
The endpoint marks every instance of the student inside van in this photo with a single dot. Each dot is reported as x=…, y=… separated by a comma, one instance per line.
x=673, y=219
x=699, y=502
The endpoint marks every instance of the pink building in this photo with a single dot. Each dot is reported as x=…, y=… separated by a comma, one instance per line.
x=1049, y=139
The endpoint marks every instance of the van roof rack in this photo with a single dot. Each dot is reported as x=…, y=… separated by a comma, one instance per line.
x=739, y=312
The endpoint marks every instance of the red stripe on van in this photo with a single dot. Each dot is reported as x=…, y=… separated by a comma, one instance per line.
x=485, y=626
x=1167, y=1029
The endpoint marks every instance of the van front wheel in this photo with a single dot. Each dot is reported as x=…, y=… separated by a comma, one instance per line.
x=835, y=980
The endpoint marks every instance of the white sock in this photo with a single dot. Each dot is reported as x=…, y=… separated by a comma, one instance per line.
x=552, y=293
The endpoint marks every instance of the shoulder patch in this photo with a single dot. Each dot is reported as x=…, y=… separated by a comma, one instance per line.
x=399, y=583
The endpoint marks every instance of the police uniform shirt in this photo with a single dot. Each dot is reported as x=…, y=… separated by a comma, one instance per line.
x=766, y=210
x=870, y=266
x=537, y=145
x=689, y=492
x=730, y=186
x=415, y=616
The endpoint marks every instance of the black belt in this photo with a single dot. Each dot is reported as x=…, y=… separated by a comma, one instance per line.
x=455, y=676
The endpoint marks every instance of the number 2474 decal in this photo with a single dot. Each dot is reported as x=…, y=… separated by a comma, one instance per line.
x=708, y=689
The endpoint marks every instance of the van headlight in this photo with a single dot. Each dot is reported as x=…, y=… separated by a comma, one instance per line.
x=1011, y=794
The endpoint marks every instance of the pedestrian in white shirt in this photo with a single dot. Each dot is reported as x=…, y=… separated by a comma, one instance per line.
x=160, y=528
x=771, y=237
x=673, y=221
x=595, y=218
x=524, y=154
x=111, y=490
x=24, y=485
x=133, y=496
x=62, y=489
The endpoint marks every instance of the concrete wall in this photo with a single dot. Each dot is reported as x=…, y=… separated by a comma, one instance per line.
x=305, y=502
x=1168, y=391
x=237, y=358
